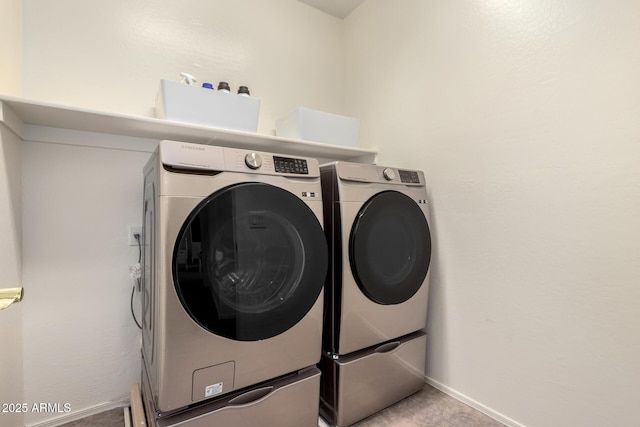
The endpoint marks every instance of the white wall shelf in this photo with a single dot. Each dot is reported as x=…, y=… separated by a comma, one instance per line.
x=19, y=114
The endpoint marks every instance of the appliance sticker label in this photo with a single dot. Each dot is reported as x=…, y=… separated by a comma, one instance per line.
x=213, y=389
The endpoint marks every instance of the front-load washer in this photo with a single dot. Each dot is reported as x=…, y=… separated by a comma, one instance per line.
x=234, y=262
x=377, y=223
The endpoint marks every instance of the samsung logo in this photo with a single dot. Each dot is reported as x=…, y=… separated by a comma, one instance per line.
x=192, y=147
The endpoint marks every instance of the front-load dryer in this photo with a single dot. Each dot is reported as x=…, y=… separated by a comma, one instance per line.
x=374, y=348
x=377, y=222
x=234, y=261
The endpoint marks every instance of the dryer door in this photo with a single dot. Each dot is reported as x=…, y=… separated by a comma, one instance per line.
x=249, y=262
x=390, y=248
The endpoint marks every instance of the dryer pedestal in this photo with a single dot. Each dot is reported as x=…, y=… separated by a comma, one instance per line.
x=362, y=383
x=289, y=401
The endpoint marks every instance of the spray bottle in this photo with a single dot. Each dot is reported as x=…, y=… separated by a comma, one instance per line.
x=188, y=78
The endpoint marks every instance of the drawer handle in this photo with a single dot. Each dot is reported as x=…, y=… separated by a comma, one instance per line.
x=388, y=347
x=251, y=396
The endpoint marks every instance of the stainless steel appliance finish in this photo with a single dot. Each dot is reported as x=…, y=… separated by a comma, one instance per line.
x=367, y=381
x=376, y=220
x=289, y=401
x=234, y=261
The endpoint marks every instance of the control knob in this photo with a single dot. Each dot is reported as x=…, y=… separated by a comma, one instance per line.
x=389, y=174
x=253, y=160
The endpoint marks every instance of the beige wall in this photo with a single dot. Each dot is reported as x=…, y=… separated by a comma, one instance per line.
x=81, y=346
x=525, y=117
x=11, y=47
x=11, y=341
x=113, y=58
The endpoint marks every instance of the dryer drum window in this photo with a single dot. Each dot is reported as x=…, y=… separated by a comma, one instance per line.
x=249, y=262
x=390, y=248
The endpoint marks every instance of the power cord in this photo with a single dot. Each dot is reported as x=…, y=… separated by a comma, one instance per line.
x=136, y=276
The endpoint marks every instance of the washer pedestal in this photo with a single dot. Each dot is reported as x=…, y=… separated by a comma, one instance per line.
x=362, y=383
x=289, y=401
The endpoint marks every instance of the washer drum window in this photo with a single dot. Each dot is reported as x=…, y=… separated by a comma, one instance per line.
x=250, y=261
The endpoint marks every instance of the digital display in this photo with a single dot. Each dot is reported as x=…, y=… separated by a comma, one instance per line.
x=410, y=177
x=290, y=165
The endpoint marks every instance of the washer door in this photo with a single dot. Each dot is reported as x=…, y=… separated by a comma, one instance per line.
x=250, y=261
x=390, y=248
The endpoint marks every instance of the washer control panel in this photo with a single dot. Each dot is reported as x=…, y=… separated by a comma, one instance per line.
x=290, y=165
x=209, y=158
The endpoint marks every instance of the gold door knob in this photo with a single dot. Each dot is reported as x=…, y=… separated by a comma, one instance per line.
x=10, y=295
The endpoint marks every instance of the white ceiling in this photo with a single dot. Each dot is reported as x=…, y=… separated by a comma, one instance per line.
x=337, y=8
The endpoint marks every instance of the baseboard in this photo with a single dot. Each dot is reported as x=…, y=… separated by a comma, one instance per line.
x=473, y=403
x=76, y=415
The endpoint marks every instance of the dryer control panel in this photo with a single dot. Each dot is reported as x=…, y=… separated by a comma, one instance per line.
x=379, y=174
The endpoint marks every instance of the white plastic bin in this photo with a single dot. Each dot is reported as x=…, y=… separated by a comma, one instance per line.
x=313, y=125
x=193, y=104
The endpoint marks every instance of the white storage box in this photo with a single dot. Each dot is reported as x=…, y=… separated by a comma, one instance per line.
x=312, y=125
x=193, y=104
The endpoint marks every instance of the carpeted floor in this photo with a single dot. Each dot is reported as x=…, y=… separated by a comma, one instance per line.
x=112, y=418
x=427, y=408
